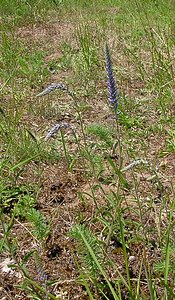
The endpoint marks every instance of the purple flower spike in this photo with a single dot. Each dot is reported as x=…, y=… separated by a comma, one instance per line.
x=51, y=88
x=55, y=130
x=112, y=90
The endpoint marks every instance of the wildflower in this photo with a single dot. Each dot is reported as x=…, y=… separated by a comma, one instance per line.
x=112, y=90
x=51, y=88
x=42, y=277
x=55, y=130
x=41, y=274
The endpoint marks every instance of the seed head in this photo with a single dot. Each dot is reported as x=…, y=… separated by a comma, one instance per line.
x=51, y=88
x=54, y=130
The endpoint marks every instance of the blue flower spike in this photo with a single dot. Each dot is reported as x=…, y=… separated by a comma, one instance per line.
x=112, y=90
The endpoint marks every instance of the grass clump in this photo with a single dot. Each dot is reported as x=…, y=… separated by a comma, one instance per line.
x=22, y=12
